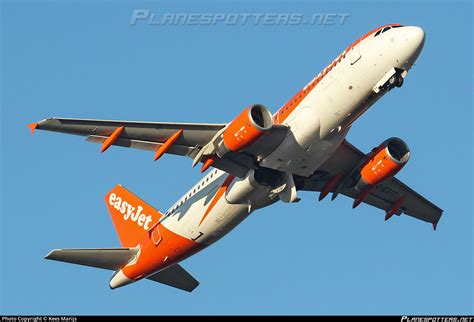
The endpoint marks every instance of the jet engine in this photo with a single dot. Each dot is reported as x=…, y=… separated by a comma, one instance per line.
x=383, y=163
x=255, y=187
x=245, y=129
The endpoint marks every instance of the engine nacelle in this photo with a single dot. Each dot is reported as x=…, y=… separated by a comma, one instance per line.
x=245, y=129
x=254, y=188
x=240, y=190
x=383, y=163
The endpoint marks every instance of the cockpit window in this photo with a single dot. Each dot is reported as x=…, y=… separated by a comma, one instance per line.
x=385, y=29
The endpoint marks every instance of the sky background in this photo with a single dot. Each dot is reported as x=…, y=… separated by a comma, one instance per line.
x=82, y=59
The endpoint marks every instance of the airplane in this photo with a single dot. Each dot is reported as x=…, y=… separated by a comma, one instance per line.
x=258, y=159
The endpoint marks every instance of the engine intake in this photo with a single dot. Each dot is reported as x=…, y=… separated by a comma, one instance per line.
x=383, y=163
x=245, y=129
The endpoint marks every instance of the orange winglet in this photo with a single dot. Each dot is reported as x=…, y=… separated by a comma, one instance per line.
x=361, y=197
x=330, y=185
x=393, y=208
x=168, y=143
x=111, y=139
x=210, y=161
x=33, y=127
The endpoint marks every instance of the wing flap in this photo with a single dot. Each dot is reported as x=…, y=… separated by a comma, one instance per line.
x=414, y=204
x=145, y=145
x=175, y=276
x=106, y=258
x=383, y=196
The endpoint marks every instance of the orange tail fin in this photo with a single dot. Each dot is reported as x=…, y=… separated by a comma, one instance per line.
x=132, y=216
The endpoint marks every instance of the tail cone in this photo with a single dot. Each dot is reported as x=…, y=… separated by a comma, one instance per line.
x=119, y=279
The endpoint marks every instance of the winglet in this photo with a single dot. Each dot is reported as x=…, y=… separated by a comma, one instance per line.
x=435, y=224
x=33, y=127
x=111, y=139
x=50, y=254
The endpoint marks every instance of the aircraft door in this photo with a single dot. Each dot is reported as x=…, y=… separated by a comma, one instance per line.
x=355, y=54
x=155, y=235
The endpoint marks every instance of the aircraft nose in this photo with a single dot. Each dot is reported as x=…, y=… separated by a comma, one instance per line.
x=412, y=41
x=416, y=36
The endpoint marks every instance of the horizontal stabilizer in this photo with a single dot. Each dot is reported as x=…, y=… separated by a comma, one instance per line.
x=106, y=258
x=175, y=276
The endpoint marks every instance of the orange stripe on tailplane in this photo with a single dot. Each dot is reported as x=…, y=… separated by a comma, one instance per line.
x=218, y=195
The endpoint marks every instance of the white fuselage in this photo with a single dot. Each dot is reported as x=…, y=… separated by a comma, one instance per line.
x=323, y=114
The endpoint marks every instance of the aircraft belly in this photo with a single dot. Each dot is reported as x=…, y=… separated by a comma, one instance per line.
x=204, y=221
x=315, y=131
x=222, y=219
x=321, y=121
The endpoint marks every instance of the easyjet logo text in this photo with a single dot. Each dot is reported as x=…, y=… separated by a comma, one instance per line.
x=128, y=211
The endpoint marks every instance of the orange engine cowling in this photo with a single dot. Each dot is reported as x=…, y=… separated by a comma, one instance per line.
x=383, y=163
x=245, y=129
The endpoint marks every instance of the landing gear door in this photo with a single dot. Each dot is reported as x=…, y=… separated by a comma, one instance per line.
x=354, y=54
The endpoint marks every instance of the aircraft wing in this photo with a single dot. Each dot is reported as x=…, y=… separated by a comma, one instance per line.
x=383, y=196
x=153, y=135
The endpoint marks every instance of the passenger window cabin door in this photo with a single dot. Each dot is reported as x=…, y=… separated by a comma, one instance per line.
x=354, y=54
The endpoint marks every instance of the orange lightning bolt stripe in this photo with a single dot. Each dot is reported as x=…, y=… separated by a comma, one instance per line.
x=218, y=195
